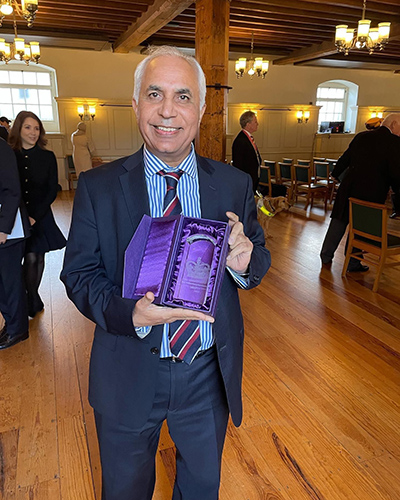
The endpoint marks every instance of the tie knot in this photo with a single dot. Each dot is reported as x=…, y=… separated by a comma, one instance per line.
x=171, y=178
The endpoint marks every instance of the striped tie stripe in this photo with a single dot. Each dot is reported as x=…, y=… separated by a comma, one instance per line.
x=172, y=205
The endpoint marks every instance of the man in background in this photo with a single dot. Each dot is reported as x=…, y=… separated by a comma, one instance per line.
x=371, y=165
x=245, y=154
x=137, y=380
x=4, y=127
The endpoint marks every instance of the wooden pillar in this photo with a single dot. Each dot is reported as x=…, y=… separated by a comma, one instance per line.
x=212, y=52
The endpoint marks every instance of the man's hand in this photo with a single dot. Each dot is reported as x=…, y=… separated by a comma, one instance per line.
x=32, y=221
x=146, y=313
x=3, y=238
x=240, y=247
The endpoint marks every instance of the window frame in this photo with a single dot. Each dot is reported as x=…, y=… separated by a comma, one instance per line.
x=49, y=125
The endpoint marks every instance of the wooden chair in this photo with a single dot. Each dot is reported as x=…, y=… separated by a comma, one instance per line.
x=305, y=185
x=272, y=170
x=285, y=172
x=322, y=175
x=72, y=177
x=368, y=234
x=313, y=164
x=265, y=180
x=304, y=162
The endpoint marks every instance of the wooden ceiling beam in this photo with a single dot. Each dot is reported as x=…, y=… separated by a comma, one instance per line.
x=157, y=16
x=98, y=5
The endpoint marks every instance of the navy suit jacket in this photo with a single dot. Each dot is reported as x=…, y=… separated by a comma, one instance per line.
x=109, y=204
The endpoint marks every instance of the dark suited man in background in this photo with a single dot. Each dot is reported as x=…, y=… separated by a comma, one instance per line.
x=135, y=380
x=245, y=154
x=13, y=304
x=4, y=127
x=372, y=162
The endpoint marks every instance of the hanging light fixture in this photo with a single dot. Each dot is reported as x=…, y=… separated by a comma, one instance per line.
x=19, y=50
x=254, y=66
x=27, y=10
x=364, y=37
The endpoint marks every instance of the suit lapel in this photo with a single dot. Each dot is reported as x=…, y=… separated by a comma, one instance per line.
x=208, y=190
x=134, y=188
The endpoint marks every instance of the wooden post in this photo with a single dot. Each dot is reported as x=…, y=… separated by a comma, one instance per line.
x=212, y=52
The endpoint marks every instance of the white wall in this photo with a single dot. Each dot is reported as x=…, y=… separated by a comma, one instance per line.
x=106, y=79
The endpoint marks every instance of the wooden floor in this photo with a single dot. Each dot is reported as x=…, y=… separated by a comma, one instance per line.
x=321, y=386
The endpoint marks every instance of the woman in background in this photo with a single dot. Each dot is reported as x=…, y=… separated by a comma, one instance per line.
x=39, y=185
x=82, y=149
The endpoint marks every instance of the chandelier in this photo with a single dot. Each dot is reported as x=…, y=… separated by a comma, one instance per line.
x=19, y=49
x=253, y=66
x=363, y=37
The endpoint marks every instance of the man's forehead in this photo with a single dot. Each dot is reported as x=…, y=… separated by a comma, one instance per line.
x=170, y=69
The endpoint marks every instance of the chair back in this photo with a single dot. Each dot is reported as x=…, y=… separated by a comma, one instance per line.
x=272, y=167
x=321, y=170
x=285, y=171
x=303, y=162
x=265, y=179
x=331, y=163
x=368, y=220
x=287, y=160
x=302, y=174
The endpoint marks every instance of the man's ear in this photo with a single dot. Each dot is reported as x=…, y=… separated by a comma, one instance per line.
x=135, y=106
x=202, y=112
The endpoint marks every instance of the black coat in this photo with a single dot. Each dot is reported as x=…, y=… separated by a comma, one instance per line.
x=372, y=161
x=39, y=185
x=10, y=193
x=245, y=157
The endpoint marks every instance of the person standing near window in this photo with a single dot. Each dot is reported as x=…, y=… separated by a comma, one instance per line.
x=39, y=185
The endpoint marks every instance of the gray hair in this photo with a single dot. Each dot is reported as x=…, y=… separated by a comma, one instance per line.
x=246, y=118
x=390, y=120
x=166, y=50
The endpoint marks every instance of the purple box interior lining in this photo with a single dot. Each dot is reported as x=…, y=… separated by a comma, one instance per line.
x=180, y=259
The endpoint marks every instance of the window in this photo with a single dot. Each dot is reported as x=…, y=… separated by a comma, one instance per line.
x=338, y=101
x=333, y=101
x=30, y=88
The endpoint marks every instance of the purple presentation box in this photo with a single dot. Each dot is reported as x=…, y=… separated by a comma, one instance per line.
x=180, y=259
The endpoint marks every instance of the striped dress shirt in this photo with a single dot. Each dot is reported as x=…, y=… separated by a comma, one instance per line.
x=189, y=197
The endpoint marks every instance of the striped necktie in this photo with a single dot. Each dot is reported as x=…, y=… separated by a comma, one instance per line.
x=172, y=205
x=184, y=336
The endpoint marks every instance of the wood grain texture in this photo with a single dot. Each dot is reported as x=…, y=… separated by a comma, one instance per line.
x=320, y=388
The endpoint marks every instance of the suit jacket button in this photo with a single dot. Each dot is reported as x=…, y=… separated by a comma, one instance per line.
x=256, y=277
x=155, y=350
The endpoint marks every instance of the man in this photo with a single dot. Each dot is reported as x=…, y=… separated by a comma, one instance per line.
x=372, y=161
x=13, y=305
x=135, y=380
x=245, y=154
x=4, y=127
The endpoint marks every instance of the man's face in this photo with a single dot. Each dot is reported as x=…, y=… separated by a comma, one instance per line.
x=5, y=124
x=252, y=126
x=168, y=111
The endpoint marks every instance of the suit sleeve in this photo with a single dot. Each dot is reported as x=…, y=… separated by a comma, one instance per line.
x=238, y=156
x=41, y=208
x=85, y=276
x=260, y=258
x=10, y=190
x=343, y=162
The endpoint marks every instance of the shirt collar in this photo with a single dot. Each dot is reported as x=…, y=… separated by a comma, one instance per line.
x=153, y=164
x=247, y=133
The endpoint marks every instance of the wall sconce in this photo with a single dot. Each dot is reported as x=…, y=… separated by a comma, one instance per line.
x=86, y=112
x=302, y=116
x=376, y=114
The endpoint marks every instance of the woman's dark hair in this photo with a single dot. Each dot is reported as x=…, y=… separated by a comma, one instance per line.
x=14, y=137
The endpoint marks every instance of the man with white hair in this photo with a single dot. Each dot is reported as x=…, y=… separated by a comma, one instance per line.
x=136, y=381
x=371, y=165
